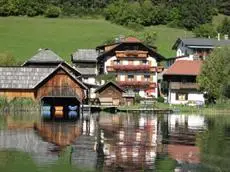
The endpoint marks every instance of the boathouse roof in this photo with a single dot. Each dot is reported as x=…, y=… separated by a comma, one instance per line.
x=45, y=56
x=86, y=71
x=85, y=55
x=103, y=87
x=28, y=77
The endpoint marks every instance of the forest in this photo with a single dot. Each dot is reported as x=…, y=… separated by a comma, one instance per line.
x=195, y=15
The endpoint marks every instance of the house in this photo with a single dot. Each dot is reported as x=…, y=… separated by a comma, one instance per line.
x=110, y=94
x=182, y=86
x=41, y=83
x=47, y=58
x=133, y=64
x=197, y=48
x=85, y=61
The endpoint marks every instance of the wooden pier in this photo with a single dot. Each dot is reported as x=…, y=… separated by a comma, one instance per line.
x=111, y=108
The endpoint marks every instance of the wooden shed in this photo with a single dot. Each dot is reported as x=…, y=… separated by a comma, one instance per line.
x=40, y=82
x=110, y=94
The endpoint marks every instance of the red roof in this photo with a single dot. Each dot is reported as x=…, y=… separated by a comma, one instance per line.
x=185, y=67
x=131, y=39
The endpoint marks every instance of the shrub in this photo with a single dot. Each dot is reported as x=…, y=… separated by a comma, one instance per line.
x=160, y=99
x=31, y=12
x=52, y=12
x=135, y=26
x=7, y=59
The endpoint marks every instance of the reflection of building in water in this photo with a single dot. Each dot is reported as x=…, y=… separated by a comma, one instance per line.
x=181, y=137
x=84, y=152
x=28, y=141
x=61, y=134
x=129, y=141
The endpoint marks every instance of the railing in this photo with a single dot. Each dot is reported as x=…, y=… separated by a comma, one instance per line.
x=131, y=53
x=183, y=85
x=142, y=67
x=137, y=83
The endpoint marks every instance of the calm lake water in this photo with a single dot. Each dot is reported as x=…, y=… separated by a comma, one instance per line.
x=116, y=142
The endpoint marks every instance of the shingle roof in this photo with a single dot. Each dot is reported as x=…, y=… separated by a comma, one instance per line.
x=45, y=56
x=87, y=71
x=99, y=89
x=28, y=77
x=201, y=42
x=22, y=77
x=89, y=55
x=185, y=67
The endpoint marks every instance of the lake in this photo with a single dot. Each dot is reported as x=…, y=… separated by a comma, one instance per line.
x=115, y=142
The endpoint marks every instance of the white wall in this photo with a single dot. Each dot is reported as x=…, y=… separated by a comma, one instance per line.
x=194, y=121
x=108, y=62
x=192, y=96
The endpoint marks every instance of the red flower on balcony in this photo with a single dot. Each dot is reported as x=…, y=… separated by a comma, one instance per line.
x=132, y=67
x=137, y=84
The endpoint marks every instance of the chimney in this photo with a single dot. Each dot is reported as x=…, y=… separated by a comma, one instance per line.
x=226, y=37
x=218, y=37
x=122, y=38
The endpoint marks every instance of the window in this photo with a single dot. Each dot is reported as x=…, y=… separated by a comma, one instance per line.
x=144, y=62
x=181, y=96
x=130, y=77
x=147, y=77
x=117, y=61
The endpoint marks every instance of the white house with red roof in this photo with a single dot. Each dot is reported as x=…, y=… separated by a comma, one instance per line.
x=134, y=64
x=181, y=77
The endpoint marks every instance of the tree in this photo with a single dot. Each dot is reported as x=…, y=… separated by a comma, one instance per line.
x=224, y=7
x=195, y=12
x=7, y=59
x=224, y=27
x=215, y=75
x=52, y=11
x=205, y=31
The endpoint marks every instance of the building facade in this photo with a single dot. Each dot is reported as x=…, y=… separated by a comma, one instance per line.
x=133, y=64
x=197, y=48
x=182, y=86
x=85, y=61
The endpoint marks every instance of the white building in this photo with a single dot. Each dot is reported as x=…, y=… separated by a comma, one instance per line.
x=181, y=77
x=134, y=65
x=85, y=61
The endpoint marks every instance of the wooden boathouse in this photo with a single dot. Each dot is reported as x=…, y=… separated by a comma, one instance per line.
x=54, y=83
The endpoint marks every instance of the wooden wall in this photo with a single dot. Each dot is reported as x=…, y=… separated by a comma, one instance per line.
x=60, y=85
x=11, y=94
x=111, y=92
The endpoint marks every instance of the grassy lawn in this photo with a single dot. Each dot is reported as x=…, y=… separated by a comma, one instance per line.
x=23, y=36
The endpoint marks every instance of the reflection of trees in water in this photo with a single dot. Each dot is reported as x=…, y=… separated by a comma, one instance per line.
x=215, y=144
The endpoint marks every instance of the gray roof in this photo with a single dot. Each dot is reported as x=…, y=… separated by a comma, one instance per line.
x=86, y=71
x=202, y=42
x=22, y=77
x=45, y=56
x=89, y=55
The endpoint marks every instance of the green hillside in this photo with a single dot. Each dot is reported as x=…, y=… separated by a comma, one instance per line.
x=22, y=36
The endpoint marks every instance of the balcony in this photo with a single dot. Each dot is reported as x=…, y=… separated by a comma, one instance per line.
x=133, y=83
x=183, y=85
x=143, y=67
x=132, y=53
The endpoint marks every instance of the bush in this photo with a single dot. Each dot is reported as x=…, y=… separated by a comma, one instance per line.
x=137, y=98
x=160, y=99
x=135, y=26
x=205, y=31
x=7, y=59
x=52, y=12
x=31, y=12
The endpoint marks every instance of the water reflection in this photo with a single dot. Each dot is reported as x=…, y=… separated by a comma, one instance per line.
x=123, y=142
